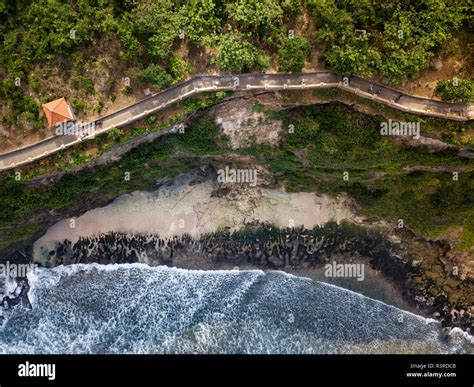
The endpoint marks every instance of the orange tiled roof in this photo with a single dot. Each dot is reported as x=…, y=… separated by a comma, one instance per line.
x=57, y=112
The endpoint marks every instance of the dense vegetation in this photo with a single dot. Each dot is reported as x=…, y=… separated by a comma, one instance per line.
x=313, y=157
x=393, y=38
x=82, y=49
x=457, y=90
x=332, y=140
x=85, y=49
x=20, y=201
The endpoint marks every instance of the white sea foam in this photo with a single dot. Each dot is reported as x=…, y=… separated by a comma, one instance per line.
x=134, y=308
x=459, y=333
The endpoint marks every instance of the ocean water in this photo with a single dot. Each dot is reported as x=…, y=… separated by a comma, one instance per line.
x=134, y=308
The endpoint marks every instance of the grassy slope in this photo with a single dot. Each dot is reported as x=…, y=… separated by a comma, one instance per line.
x=333, y=138
x=336, y=139
x=20, y=201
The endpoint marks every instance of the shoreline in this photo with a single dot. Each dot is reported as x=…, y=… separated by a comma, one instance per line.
x=368, y=325
x=298, y=251
x=236, y=225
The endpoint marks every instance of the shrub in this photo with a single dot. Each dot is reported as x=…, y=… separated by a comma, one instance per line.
x=236, y=53
x=461, y=90
x=179, y=68
x=292, y=54
x=155, y=75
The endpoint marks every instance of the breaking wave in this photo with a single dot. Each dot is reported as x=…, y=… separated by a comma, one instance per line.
x=135, y=308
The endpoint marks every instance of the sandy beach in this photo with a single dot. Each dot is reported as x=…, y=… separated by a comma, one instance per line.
x=183, y=207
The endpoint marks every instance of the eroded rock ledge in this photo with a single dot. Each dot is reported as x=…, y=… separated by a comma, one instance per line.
x=262, y=246
x=238, y=225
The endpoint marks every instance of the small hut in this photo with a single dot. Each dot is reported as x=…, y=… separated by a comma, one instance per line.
x=58, y=112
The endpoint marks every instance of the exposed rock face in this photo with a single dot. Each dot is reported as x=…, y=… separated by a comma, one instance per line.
x=245, y=125
x=436, y=63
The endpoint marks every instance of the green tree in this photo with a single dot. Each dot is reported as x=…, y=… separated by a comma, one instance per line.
x=158, y=24
x=155, y=75
x=261, y=17
x=354, y=56
x=461, y=90
x=179, y=68
x=236, y=53
x=399, y=39
x=201, y=20
x=292, y=54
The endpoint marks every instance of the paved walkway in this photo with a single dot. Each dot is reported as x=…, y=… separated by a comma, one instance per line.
x=199, y=84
